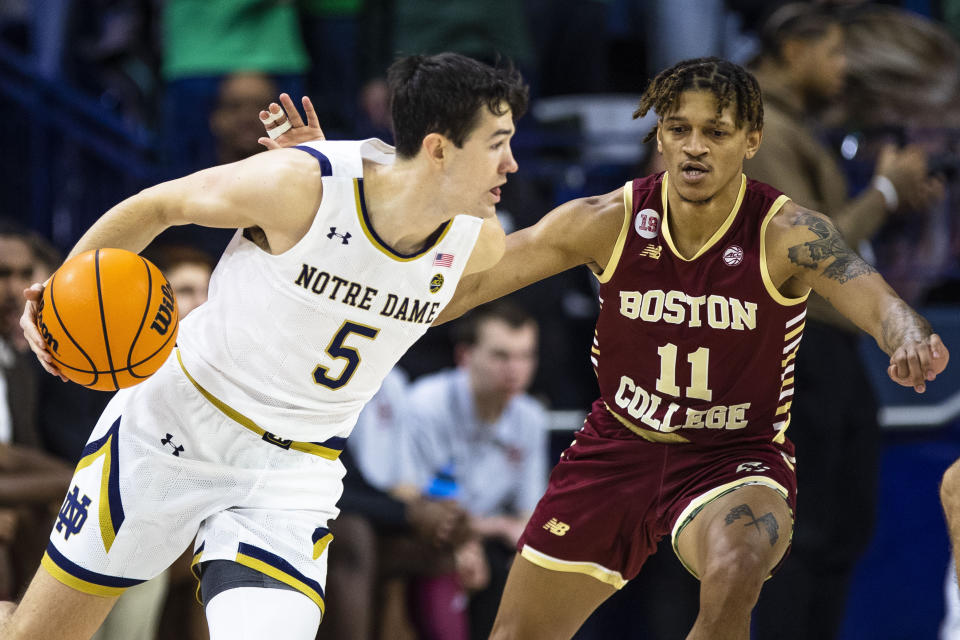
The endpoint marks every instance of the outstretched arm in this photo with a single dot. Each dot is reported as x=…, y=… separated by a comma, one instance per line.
x=227, y=196
x=807, y=252
x=582, y=231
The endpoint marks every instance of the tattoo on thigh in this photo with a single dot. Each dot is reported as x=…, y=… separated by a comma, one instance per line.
x=769, y=521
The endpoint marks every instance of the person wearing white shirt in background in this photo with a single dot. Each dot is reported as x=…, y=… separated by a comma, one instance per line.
x=477, y=422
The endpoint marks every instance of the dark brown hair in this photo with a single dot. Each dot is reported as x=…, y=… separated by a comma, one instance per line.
x=729, y=82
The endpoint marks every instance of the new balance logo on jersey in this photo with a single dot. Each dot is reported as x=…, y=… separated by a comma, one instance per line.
x=73, y=514
x=752, y=467
x=652, y=251
x=344, y=237
x=556, y=527
x=177, y=448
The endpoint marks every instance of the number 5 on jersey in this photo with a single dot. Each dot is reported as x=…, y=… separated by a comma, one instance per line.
x=340, y=351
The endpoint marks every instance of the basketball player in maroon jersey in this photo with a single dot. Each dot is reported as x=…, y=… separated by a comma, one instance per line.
x=704, y=276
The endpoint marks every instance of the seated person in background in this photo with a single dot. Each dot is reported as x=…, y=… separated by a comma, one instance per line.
x=32, y=483
x=379, y=539
x=477, y=424
x=188, y=269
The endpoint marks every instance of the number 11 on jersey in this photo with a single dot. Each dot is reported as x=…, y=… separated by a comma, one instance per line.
x=699, y=364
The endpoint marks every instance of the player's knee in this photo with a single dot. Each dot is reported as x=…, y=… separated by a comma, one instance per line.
x=737, y=568
x=950, y=490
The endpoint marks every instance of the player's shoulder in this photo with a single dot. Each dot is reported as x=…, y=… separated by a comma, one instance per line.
x=793, y=220
x=608, y=208
x=287, y=164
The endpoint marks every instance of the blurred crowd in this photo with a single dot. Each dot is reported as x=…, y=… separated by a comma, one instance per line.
x=863, y=122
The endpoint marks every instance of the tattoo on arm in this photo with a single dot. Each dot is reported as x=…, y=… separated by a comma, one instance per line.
x=768, y=521
x=900, y=324
x=846, y=264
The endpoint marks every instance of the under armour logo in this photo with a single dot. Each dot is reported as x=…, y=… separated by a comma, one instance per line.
x=755, y=467
x=344, y=237
x=556, y=527
x=177, y=448
x=73, y=514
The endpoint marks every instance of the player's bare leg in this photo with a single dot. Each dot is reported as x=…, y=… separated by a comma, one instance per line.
x=733, y=544
x=53, y=611
x=950, y=498
x=539, y=603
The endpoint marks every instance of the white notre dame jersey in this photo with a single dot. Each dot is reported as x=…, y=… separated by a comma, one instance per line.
x=298, y=342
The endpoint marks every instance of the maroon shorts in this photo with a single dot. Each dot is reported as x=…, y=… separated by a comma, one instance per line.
x=613, y=495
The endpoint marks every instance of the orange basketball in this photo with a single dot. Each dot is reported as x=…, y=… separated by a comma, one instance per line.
x=109, y=319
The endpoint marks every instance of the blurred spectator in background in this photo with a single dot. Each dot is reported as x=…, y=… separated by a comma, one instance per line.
x=379, y=540
x=476, y=423
x=205, y=40
x=233, y=121
x=908, y=90
x=32, y=483
x=834, y=424
x=233, y=132
x=188, y=270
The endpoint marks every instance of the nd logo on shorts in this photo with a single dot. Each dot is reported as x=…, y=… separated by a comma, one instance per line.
x=647, y=224
x=73, y=513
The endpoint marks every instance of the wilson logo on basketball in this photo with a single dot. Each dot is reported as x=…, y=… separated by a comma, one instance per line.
x=45, y=332
x=733, y=255
x=161, y=322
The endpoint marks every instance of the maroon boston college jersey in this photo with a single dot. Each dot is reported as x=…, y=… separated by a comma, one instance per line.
x=697, y=349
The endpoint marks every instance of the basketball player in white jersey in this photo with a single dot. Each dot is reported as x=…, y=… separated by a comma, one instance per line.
x=344, y=255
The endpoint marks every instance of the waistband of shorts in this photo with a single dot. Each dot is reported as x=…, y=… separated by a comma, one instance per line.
x=330, y=449
x=647, y=434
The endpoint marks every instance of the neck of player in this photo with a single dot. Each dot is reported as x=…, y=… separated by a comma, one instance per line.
x=693, y=222
x=402, y=207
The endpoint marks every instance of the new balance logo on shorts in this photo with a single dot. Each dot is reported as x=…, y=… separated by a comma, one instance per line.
x=73, y=514
x=556, y=527
x=752, y=467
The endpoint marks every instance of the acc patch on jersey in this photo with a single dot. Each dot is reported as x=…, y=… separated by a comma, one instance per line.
x=647, y=223
x=733, y=255
x=436, y=282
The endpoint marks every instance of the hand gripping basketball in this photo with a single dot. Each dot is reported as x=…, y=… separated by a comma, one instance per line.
x=107, y=319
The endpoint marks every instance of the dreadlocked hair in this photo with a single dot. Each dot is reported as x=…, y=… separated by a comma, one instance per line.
x=730, y=83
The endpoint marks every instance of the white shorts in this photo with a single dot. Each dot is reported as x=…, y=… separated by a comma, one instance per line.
x=165, y=466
